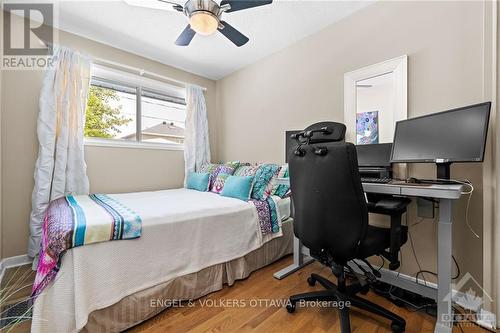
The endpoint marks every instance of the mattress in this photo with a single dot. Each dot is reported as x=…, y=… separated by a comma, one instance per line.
x=184, y=231
x=284, y=207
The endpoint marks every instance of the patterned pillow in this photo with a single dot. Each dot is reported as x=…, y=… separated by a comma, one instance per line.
x=233, y=164
x=262, y=187
x=246, y=170
x=223, y=171
x=210, y=169
x=281, y=190
x=219, y=182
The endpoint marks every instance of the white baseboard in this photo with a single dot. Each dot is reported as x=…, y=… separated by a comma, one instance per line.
x=13, y=262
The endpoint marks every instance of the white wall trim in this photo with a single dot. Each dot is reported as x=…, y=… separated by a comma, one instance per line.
x=490, y=179
x=13, y=262
x=494, y=248
x=131, y=144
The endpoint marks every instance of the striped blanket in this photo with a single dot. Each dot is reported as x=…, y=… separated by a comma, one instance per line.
x=79, y=220
x=268, y=215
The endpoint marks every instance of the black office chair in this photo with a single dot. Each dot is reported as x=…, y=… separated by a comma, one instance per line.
x=331, y=219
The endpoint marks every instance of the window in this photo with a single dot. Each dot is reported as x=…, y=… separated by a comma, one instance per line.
x=125, y=109
x=162, y=120
x=111, y=111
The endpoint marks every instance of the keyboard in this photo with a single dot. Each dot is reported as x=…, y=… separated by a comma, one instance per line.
x=376, y=180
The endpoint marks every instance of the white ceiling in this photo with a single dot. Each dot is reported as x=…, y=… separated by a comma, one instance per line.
x=151, y=32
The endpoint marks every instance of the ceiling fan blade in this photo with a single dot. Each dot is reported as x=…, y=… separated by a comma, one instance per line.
x=233, y=35
x=175, y=6
x=155, y=4
x=185, y=37
x=244, y=4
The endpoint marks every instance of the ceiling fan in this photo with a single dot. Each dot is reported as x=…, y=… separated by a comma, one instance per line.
x=205, y=17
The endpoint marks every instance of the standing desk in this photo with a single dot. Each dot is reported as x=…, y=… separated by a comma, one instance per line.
x=445, y=195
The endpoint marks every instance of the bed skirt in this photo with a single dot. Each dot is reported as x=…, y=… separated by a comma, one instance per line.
x=137, y=308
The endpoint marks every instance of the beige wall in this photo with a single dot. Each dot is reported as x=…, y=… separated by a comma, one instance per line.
x=303, y=84
x=110, y=170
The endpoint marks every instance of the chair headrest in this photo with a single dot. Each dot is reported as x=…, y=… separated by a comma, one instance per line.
x=325, y=131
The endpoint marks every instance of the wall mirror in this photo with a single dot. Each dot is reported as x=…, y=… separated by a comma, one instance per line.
x=375, y=98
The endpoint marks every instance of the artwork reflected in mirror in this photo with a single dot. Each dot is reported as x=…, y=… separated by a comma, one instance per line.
x=375, y=107
x=367, y=128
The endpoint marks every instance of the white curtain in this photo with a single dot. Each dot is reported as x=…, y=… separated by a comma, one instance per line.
x=60, y=168
x=196, y=142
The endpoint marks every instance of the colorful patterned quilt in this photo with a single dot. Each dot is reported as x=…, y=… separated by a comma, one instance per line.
x=268, y=215
x=79, y=220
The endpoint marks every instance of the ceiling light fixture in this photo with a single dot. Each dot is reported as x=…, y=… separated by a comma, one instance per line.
x=204, y=23
x=205, y=17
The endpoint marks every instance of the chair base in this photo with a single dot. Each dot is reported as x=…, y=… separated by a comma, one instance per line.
x=345, y=295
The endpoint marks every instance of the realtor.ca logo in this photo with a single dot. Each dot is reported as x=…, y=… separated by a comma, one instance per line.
x=469, y=295
x=28, y=35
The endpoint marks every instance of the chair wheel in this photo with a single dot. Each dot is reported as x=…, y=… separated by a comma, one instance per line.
x=311, y=281
x=397, y=328
x=290, y=307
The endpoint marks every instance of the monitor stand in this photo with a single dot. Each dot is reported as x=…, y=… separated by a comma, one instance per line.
x=443, y=170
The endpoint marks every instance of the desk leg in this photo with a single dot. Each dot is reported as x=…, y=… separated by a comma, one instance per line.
x=299, y=260
x=444, y=310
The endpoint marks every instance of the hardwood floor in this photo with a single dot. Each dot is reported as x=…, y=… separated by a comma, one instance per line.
x=233, y=309
x=262, y=286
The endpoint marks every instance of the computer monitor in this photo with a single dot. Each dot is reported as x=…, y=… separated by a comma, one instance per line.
x=457, y=135
x=375, y=155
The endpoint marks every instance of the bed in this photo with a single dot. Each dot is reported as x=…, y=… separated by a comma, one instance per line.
x=192, y=243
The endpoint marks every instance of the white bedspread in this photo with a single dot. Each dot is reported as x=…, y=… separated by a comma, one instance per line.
x=184, y=231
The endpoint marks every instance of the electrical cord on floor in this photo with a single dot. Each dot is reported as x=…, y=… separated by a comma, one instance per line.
x=414, y=306
x=457, y=274
x=389, y=293
x=457, y=309
x=383, y=263
x=462, y=312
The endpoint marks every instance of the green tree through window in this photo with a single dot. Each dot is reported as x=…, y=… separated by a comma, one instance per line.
x=101, y=119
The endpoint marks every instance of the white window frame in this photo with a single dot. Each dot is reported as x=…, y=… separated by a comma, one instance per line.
x=138, y=83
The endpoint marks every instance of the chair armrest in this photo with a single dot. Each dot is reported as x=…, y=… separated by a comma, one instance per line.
x=399, y=235
x=395, y=207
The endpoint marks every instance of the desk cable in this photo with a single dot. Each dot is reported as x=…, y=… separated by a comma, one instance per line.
x=468, y=183
x=468, y=192
x=424, y=271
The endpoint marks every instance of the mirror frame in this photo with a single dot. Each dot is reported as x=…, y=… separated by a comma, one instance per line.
x=397, y=65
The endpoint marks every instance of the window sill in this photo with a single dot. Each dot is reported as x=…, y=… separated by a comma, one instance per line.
x=96, y=142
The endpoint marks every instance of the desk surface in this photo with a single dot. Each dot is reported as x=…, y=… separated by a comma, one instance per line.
x=448, y=191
